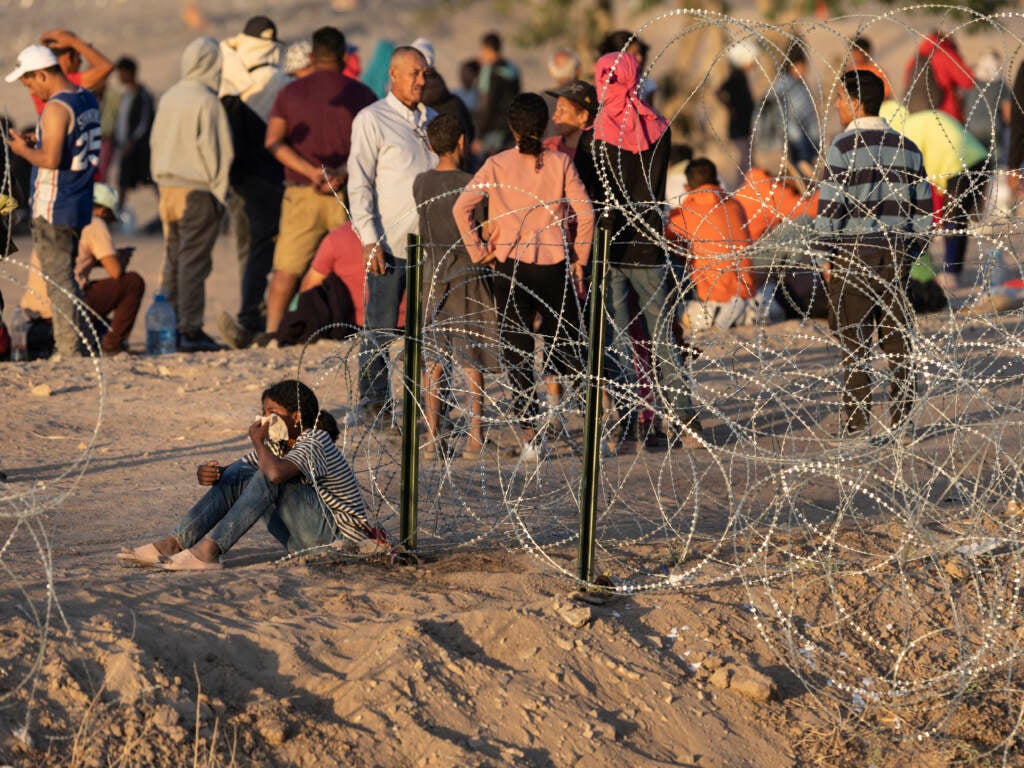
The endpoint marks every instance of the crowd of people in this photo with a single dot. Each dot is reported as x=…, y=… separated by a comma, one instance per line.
x=325, y=167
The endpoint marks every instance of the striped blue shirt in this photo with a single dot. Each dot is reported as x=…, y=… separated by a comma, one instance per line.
x=874, y=189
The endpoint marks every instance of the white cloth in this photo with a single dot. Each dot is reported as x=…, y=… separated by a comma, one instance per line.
x=389, y=149
x=701, y=315
x=251, y=71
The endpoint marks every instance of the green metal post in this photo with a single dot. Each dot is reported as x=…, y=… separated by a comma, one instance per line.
x=408, y=512
x=592, y=418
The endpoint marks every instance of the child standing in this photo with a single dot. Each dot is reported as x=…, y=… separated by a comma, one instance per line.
x=532, y=195
x=458, y=310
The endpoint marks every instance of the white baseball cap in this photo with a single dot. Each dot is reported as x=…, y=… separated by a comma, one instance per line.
x=31, y=59
x=743, y=53
x=425, y=47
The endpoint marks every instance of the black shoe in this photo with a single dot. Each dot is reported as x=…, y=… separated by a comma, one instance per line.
x=197, y=341
x=262, y=339
x=654, y=438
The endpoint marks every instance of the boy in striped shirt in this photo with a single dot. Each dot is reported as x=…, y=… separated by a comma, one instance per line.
x=873, y=220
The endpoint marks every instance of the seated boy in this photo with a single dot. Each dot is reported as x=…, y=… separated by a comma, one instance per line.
x=768, y=201
x=712, y=228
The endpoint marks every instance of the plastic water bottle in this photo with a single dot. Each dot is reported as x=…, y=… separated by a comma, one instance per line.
x=126, y=218
x=19, y=335
x=161, y=327
x=993, y=270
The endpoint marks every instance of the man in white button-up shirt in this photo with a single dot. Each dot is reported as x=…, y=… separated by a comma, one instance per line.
x=389, y=148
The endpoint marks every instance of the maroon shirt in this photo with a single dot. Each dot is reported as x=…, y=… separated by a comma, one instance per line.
x=318, y=109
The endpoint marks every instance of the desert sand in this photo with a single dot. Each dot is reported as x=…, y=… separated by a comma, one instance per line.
x=766, y=586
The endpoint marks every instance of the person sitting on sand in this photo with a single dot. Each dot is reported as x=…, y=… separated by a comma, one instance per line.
x=295, y=480
x=710, y=230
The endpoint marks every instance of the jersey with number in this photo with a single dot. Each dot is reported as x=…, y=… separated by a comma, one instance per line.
x=63, y=195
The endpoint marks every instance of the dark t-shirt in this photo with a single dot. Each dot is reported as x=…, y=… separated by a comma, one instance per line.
x=735, y=95
x=319, y=109
x=435, y=193
x=636, y=181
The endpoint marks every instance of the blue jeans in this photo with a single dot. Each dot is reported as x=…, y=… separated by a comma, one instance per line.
x=292, y=511
x=651, y=286
x=965, y=197
x=384, y=296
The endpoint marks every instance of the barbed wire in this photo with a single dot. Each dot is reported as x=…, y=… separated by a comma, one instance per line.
x=882, y=568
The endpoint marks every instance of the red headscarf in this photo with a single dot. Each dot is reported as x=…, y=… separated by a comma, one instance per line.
x=623, y=119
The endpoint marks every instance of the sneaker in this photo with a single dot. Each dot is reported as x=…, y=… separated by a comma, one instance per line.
x=234, y=334
x=197, y=341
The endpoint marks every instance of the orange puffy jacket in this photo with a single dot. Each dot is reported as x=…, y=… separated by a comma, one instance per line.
x=767, y=201
x=715, y=229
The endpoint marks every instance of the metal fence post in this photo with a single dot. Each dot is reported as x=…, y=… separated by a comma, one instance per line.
x=592, y=418
x=408, y=512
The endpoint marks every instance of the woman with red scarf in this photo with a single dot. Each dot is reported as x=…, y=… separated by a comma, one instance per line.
x=631, y=154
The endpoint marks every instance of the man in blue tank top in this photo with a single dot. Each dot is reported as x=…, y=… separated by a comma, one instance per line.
x=64, y=153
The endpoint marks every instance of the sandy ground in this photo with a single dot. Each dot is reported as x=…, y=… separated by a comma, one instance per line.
x=477, y=655
x=782, y=600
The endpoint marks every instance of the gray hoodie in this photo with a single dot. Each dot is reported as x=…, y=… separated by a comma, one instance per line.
x=191, y=139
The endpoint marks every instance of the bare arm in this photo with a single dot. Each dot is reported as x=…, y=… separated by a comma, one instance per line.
x=100, y=66
x=54, y=122
x=464, y=212
x=112, y=264
x=277, y=144
x=276, y=470
x=311, y=279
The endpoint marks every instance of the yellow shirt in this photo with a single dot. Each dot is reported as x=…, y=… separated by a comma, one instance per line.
x=947, y=146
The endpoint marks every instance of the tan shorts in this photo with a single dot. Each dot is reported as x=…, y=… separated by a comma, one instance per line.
x=306, y=217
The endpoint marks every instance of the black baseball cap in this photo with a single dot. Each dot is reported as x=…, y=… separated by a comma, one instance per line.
x=262, y=27
x=579, y=92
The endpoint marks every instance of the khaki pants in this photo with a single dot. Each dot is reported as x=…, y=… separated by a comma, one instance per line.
x=306, y=217
x=866, y=296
